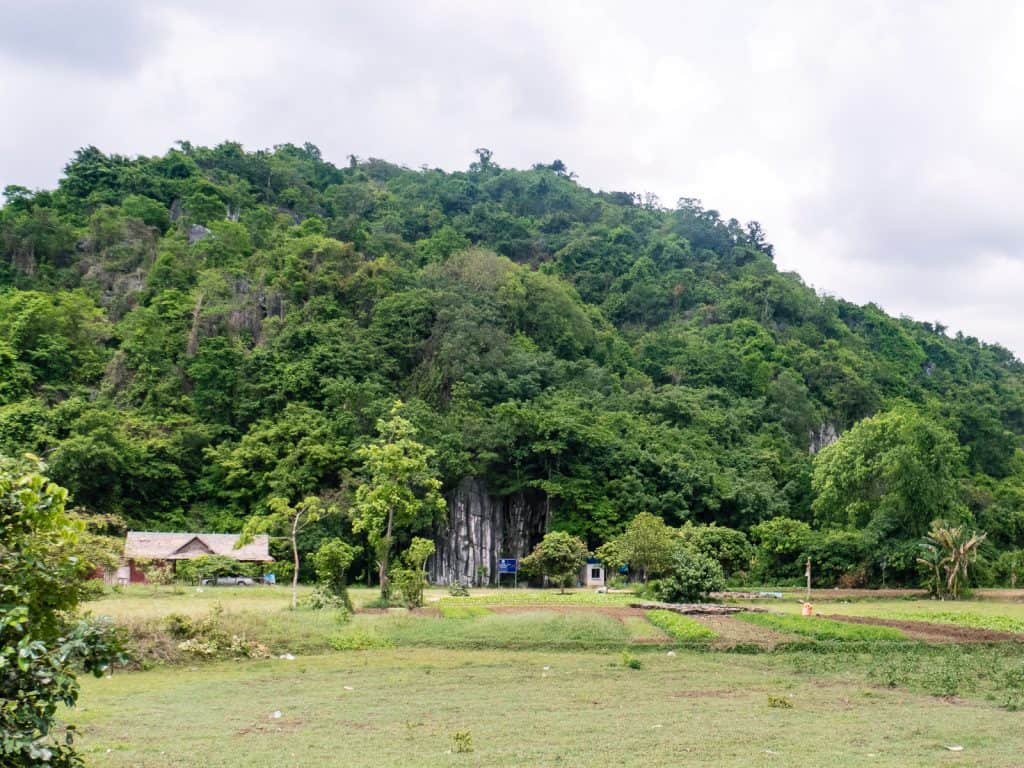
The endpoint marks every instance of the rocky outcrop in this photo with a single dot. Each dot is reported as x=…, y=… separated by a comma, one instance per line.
x=823, y=437
x=197, y=233
x=481, y=528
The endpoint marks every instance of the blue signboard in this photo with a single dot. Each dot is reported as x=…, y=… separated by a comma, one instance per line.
x=508, y=565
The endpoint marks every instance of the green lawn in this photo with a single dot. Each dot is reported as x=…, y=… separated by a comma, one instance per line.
x=402, y=707
x=541, y=679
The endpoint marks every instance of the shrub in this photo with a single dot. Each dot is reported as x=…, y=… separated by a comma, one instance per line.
x=331, y=563
x=837, y=555
x=322, y=599
x=196, y=569
x=728, y=546
x=462, y=741
x=206, y=637
x=458, y=589
x=691, y=577
x=411, y=580
x=782, y=546
x=358, y=640
x=408, y=583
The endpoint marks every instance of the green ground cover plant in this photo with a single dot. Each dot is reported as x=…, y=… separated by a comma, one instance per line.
x=681, y=628
x=821, y=629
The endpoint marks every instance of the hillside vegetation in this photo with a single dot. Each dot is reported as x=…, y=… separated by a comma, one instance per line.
x=184, y=337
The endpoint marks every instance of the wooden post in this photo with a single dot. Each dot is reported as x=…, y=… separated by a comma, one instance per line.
x=808, y=574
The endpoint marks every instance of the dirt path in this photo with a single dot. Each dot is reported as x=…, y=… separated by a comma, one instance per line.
x=615, y=611
x=934, y=632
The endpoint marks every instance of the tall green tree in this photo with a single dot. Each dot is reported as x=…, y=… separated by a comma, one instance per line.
x=646, y=545
x=399, y=492
x=559, y=556
x=893, y=474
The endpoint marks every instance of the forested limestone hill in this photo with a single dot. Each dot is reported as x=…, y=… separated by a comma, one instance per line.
x=182, y=337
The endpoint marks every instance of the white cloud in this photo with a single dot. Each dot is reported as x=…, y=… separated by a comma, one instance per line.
x=878, y=143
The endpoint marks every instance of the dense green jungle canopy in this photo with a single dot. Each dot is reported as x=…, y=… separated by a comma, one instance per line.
x=183, y=337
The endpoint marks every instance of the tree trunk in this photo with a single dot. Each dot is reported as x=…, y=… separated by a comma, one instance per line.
x=385, y=551
x=295, y=562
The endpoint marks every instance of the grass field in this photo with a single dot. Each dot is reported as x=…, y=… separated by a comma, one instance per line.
x=533, y=678
x=402, y=708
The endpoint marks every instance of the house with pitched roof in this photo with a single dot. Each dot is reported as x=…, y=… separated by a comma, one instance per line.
x=171, y=547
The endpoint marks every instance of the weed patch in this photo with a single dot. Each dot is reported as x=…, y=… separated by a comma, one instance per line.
x=460, y=609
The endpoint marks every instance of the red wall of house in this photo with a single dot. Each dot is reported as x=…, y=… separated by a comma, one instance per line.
x=137, y=576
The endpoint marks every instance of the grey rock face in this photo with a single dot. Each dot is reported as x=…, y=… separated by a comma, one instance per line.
x=823, y=437
x=197, y=232
x=480, y=528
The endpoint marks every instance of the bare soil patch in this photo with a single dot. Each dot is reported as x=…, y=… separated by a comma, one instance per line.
x=934, y=632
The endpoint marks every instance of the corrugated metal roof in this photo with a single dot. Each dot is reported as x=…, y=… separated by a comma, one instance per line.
x=185, y=546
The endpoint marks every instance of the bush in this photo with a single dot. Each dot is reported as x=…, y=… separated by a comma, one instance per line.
x=692, y=576
x=409, y=583
x=322, y=599
x=208, y=639
x=839, y=555
x=196, y=569
x=359, y=640
x=728, y=546
x=331, y=562
x=458, y=589
x=782, y=546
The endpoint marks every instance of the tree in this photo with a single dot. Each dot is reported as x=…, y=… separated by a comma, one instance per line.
x=892, y=473
x=782, y=544
x=727, y=546
x=948, y=553
x=331, y=562
x=399, y=491
x=292, y=519
x=647, y=545
x=559, y=556
x=691, y=577
x=40, y=584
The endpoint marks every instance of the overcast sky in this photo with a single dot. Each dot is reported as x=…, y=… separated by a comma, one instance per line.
x=879, y=144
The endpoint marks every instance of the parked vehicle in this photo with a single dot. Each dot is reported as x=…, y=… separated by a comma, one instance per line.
x=229, y=581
